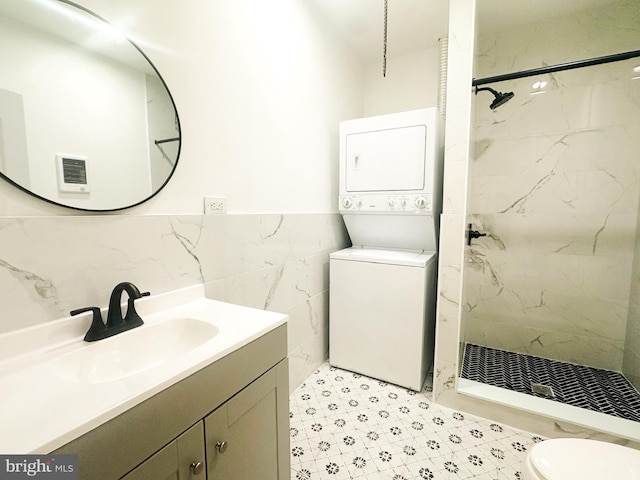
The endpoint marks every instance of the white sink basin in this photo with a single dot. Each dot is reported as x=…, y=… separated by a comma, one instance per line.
x=133, y=351
x=49, y=370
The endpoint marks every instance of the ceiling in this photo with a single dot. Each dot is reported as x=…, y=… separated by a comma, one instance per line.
x=414, y=25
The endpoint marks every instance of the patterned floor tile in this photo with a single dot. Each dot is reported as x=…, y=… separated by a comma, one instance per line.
x=348, y=426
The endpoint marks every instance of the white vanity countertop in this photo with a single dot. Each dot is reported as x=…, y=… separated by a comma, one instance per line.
x=44, y=404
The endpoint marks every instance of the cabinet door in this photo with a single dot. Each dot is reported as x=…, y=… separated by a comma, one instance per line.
x=247, y=438
x=182, y=459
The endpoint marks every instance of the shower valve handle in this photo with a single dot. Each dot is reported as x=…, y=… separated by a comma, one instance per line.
x=474, y=234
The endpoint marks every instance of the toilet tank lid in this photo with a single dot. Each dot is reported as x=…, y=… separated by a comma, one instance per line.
x=580, y=459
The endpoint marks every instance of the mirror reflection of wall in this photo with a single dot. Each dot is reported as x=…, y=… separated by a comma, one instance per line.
x=13, y=138
x=82, y=103
x=163, y=136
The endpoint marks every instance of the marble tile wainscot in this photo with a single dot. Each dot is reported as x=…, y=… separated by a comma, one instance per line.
x=278, y=262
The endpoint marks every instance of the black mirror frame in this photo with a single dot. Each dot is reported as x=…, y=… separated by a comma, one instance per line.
x=177, y=123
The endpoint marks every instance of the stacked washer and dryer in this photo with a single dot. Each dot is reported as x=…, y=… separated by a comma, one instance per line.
x=383, y=288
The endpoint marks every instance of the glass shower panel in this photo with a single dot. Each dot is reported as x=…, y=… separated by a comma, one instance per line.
x=555, y=185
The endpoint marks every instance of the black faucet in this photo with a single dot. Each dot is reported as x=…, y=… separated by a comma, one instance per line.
x=115, y=322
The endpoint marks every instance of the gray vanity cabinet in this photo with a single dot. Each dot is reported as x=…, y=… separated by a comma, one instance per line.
x=244, y=439
x=241, y=399
x=243, y=436
x=182, y=459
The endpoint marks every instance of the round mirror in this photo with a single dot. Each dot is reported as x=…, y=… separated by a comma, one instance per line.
x=86, y=120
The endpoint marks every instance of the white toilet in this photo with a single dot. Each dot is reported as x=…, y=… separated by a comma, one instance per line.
x=580, y=459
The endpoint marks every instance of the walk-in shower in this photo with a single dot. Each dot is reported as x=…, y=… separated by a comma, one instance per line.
x=552, y=291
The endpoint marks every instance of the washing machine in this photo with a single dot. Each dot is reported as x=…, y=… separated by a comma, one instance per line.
x=382, y=313
x=382, y=289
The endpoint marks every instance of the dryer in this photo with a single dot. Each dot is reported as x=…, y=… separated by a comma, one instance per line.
x=382, y=289
x=391, y=179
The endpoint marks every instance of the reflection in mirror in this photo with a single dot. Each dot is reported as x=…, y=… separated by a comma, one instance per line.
x=550, y=291
x=86, y=121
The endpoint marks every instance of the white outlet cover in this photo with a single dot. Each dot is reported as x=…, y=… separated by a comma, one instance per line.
x=215, y=205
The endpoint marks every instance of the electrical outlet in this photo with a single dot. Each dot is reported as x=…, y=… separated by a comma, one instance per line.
x=215, y=204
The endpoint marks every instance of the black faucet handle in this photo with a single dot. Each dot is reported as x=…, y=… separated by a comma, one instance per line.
x=95, y=310
x=96, y=331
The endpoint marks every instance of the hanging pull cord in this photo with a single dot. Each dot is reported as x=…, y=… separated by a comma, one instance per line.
x=384, y=42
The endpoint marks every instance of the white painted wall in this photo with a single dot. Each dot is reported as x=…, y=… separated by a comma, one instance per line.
x=260, y=88
x=411, y=82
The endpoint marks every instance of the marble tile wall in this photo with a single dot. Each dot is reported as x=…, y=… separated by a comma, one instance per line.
x=449, y=326
x=555, y=182
x=50, y=265
x=604, y=29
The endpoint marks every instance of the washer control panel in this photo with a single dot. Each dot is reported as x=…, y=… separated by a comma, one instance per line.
x=386, y=203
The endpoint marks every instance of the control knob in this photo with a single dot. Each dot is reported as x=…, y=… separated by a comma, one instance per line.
x=347, y=202
x=421, y=202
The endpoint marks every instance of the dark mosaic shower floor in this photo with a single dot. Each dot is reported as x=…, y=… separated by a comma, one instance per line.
x=586, y=387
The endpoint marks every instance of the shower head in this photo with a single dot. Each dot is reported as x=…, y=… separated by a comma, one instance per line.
x=501, y=98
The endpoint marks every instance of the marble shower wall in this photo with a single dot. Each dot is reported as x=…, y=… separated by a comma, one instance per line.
x=449, y=325
x=450, y=328
x=555, y=182
x=50, y=265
